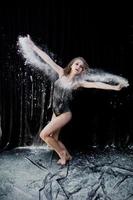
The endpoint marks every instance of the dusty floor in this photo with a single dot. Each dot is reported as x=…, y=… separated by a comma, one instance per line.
x=33, y=174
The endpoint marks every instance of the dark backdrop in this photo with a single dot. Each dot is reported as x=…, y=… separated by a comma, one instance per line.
x=66, y=30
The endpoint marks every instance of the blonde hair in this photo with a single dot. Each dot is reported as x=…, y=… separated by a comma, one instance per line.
x=67, y=69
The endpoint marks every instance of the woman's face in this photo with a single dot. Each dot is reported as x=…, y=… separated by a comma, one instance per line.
x=77, y=67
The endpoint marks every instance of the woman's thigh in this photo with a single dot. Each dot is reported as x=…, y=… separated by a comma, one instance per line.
x=56, y=123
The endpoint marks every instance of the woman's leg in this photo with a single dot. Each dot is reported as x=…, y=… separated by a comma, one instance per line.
x=56, y=136
x=68, y=156
x=56, y=124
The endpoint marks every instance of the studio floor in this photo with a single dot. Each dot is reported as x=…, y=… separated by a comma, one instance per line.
x=33, y=174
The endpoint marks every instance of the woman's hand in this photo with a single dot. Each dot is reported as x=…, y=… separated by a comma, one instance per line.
x=120, y=86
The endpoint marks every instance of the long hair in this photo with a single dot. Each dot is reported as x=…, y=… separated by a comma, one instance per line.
x=67, y=69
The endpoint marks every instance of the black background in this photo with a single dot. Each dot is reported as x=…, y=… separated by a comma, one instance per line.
x=102, y=34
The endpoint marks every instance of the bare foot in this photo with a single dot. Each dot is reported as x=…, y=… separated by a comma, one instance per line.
x=61, y=161
x=68, y=156
x=63, y=158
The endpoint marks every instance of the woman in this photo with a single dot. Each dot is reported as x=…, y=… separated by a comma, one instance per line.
x=69, y=79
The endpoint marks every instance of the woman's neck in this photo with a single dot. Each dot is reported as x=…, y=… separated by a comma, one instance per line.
x=71, y=76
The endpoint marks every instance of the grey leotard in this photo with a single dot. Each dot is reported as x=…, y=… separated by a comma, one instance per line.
x=62, y=96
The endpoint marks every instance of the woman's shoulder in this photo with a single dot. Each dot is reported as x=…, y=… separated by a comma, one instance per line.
x=61, y=73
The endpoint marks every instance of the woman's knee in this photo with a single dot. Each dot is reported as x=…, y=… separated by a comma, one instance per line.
x=44, y=135
x=41, y=135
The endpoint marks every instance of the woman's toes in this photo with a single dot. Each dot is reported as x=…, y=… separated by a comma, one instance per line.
x=61, y=161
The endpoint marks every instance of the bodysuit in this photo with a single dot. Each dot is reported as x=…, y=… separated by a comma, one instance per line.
x=62, y=96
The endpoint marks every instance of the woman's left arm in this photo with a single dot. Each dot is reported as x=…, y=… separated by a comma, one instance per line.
x=100, y=85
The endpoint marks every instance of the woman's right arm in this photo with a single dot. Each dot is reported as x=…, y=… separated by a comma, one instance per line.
x=46, y=57
x=100, y=85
